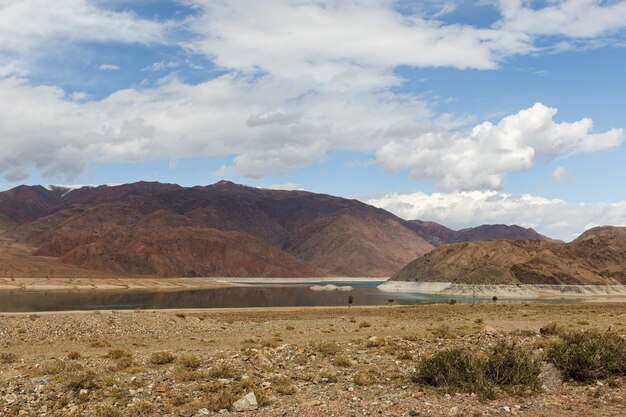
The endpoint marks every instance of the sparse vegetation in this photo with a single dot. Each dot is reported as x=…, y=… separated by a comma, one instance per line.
x=511, y=365
x=73, y=356
x=118, y=354
x=456, y=370
x=550, y=329
x=188, y=361
x=364, y=324
x=8, y=357
x=161, y=358
x=589, y=355
x=78, y=379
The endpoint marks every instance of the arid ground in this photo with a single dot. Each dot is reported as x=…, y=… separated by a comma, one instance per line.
x=298, y=361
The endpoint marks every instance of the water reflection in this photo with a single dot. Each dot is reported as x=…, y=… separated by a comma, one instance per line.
x=272, y=295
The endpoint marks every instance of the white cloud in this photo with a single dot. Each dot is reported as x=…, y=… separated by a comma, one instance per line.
x=30, y=28
x=288, y=186
x=302, y=79
x=570, y=18
x=109, y=67
x=479, y=159
x=161, y=66
x=552, y=217
x=560, y=173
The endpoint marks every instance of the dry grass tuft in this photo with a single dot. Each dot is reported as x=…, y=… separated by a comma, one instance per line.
x=161, y=358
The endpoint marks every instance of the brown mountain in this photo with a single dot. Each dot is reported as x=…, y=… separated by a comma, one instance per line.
x=597, y=257
x=223, y=229
x=439, y=235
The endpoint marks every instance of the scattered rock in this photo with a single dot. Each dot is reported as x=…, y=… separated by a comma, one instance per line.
x=246, y=403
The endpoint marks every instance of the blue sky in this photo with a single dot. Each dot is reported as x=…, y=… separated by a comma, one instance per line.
x=460, y=112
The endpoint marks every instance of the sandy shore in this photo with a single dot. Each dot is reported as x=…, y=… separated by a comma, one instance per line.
x=524, y=291
x=108, y=284
x=299, y=361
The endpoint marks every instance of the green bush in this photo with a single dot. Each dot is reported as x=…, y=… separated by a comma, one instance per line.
x=455, y=369
x=589, y=355
x=511, y=365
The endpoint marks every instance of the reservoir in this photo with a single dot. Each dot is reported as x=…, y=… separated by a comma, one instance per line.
x=301, y=294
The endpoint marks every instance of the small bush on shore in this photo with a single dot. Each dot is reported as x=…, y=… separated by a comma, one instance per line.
x=589, y=355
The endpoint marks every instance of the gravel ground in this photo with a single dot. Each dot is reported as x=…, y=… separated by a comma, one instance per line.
x=297, y=362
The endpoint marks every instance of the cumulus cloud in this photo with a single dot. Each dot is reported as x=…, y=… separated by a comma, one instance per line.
x=571, y=18
x=479, y=159
x=298, y=79
x=29, y=27
x=109, y=67
x=552, y=217
x=560, y=173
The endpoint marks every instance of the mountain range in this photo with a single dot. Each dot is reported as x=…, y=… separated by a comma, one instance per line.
x=224, y=229
x=597, y=257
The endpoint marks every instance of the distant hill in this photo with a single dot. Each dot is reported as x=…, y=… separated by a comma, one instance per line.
x=598, y=256
x=438, y=234
x=223, y=229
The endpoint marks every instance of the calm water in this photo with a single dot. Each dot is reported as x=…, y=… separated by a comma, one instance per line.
x=267, y=295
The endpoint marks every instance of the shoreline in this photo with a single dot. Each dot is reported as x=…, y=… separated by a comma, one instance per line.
x=521, y=291
x=107, y=284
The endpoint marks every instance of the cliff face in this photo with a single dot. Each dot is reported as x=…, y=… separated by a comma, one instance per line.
x=223, y=229
x=596, y=257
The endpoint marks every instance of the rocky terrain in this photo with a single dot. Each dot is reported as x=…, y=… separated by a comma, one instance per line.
x=438, y=234
x=598, y=257
x=225, y=229
x=291, y=362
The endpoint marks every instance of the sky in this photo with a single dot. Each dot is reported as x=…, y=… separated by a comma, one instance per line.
x=460, y=112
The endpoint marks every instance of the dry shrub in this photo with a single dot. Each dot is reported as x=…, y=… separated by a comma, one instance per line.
x=443, y=332
x=363, y=378
x=142, y=408
x=270, y=343
x=161, y=358
x=511, y=365
x=589, y=355
x=454, y=370
x=118, y=354
x=342, y=361
x=550, y=329
x=222, y=371
x=73, y=356
x=8, y=357
x=77, y=379
x=100, y=343
x=328, y=375
x=189, y=361
x=107, y=411
x=364, y=324
x=327, y=347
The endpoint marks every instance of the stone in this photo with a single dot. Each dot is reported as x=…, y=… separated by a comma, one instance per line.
x=506, y=409
x=83, y=392
x=246, y=403
x=261, y=360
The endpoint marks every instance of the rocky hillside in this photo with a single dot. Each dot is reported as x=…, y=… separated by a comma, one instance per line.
x=597, y=257
x=438, y=234
x=223, y=229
